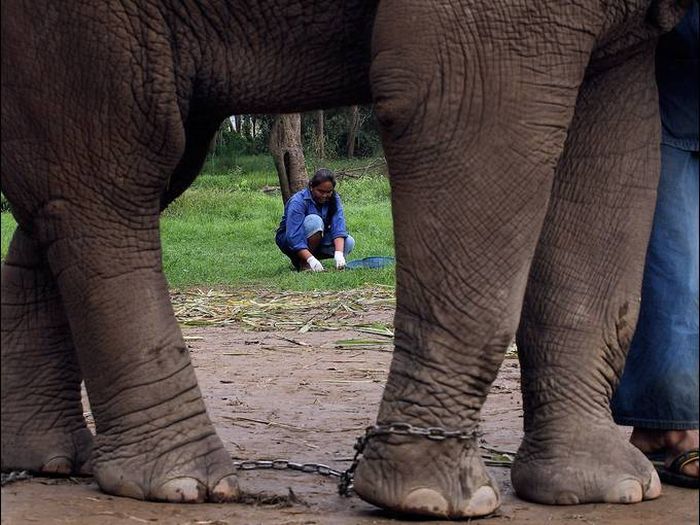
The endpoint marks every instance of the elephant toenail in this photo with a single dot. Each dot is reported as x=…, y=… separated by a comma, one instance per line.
x=185, y=490
x=483, y=502
x=58, y=465
x=426, y=501
x=625, y=491
x=566, y=498
x=653, y=489
x=225, y=490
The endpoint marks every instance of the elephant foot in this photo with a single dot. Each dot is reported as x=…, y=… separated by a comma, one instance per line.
x=51, y=452
x=165, y=468
x=597, y=465
x=417, y=476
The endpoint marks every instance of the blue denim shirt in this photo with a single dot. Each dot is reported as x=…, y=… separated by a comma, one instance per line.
x=678, y=80
x=301, y=204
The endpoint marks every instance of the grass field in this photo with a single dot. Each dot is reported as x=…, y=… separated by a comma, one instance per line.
x=221, y=231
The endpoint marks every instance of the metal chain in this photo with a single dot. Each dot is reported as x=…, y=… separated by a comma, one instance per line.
x=15, y=475
x=346, y=477
x=345, y=485
x=282, y=464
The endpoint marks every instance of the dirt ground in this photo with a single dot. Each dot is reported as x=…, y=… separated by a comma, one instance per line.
x=306, y=395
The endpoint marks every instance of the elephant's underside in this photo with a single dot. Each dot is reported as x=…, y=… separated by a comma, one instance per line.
x=522, y=144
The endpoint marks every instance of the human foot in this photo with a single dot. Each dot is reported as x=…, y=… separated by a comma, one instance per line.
x=672, y=443
x=590, y=463
x=415, y=475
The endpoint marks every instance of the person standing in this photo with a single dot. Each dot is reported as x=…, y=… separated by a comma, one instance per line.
x=658, y=392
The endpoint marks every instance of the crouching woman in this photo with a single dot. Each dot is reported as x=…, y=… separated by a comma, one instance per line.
x=313, y=225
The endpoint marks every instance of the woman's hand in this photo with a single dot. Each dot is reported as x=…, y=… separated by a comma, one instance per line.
x=314, y=264
x=339, y=260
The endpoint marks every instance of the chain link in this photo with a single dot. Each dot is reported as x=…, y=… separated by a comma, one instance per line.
x=345, y=485
x=283, y=464
x=15, y=475
x=433, y=433
x=346, y=477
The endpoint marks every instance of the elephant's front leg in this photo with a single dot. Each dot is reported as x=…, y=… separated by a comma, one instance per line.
x=473, y=129
x=583, y=296
x=154, y=439
x=43, y=429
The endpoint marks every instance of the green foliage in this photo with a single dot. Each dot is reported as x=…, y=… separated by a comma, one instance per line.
x=4, y=203
x=337, y=121
x=230, y=145
x=221, y=231
x=7, y=228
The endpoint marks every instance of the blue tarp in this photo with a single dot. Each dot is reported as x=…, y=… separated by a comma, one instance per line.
x=370, y=262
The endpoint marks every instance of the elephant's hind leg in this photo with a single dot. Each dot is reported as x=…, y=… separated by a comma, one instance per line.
x=43, y=429
x=583, y=296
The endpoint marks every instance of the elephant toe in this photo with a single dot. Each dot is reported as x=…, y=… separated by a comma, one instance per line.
x=444, y=480
x=181, y=490
x=59, y=465
x=426, y=501
x=631, y=490
x=624, y=491
x=483, y=502
x=606, y=469
x=653, y=488
x=226, y=490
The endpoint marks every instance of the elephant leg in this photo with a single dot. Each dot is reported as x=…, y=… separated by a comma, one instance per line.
x=43, y=429
x=472, y=132
x=583, y=294
x=154, y=438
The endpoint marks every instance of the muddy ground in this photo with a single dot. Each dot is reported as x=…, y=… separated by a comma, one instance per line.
x=306, y=395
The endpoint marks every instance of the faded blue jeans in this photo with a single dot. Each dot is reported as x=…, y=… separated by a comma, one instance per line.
x=659, y=386
x=314, y=224
x=326, y=249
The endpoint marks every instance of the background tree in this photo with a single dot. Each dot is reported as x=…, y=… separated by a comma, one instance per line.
x=324, y=135
x=319, y=135
x=286, y=148
x=353, y=127
x=338, y=126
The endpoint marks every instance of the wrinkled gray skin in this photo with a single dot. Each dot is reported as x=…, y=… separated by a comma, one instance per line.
x=521, y=139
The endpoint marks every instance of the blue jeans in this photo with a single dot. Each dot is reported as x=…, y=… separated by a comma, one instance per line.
x=659, y=386
x=326, y=249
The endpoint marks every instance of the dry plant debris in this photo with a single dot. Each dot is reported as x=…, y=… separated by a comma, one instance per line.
x=267, y=310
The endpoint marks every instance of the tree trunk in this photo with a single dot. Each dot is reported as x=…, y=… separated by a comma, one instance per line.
x=319, y=136
x=286, y=149
x=352, y=130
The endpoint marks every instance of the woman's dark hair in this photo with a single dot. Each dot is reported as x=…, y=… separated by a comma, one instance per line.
x=322, y=175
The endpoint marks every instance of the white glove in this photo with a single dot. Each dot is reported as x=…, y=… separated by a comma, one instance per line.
x=339, y=260
x=314, y=264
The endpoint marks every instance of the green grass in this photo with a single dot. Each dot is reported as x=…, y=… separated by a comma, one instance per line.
x=7, y=228
x=221, y=231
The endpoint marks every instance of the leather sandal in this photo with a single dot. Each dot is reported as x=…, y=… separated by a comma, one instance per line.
x=673, y=474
